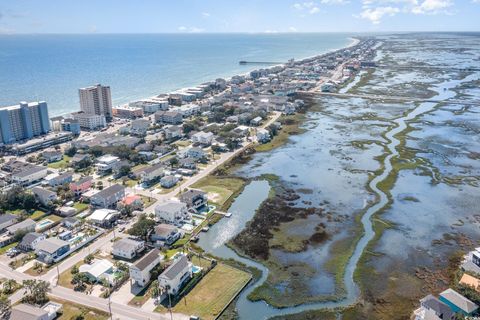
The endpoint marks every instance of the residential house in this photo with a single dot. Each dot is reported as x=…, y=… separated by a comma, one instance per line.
x=55, y=179
x=168, y=117
x=457, y=302
x=6, y=220
x=433, y=309
x=187, y=163
x=151, y=174
x=44, y=196
x=168, y=181
x=28, y=175
x=51, y=250
x=30, y=241
x=98, y=271
x=52, y=156
x=66, y=211
x=173, y=212
x=196, y=153
x=470, y=281
x=103, y=217
x=109, y=197
x=172, y=132
x=139, y=127
x=28, y=312
x=203, y=138
x=263, y=135
x=27, y=225
x=194, y=198
x=71, y=222
x=176, y=275
x=127, y=248
x=105, y=164
x=140, y=271
x=133, y=201
x=82, y=185
x=255, y=122
x=165, y=235
x=328, y=87
x=79, y=158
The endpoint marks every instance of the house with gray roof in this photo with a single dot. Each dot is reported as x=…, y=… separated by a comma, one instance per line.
x=26, y=225
x=6, y=220
x=176, y=275
x=127, y=248
x=44, y=196
x=457, y=302
x=51, y=250
x=28, y=312
x=194, y=198
x=30, y=241
x=140, y=271
x=165, y=235
x=108, y=197
x=173, y=212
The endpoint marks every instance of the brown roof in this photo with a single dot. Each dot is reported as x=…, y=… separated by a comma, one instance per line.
x=470, y=281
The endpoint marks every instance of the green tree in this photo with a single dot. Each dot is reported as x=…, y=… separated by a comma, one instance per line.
x=9, y=286
x=142, y=227
x=5, y=306
x=35, y=291
x=71, y=151
x=88, y=259
x=74, y=270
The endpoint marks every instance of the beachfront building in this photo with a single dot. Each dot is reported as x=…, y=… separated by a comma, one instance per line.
x=127, y=112
x=90, y=121
x=96, y=100
x=23, y=121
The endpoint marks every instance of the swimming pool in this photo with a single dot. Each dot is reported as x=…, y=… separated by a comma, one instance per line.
x=196, y=269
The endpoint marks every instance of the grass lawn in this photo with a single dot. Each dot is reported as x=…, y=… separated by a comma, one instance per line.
x=62, y=164
x=71, y=310
x=37, y=215
x=65, y=279
x=147, y=201
x=140, y=299
x=184, y=143
x=128, y=182
x=11, y=245
x=220, y=189
x=213, y=293
x=80, y=206
x=53, y=217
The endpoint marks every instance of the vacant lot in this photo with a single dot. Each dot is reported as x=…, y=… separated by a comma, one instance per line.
x=73, y=311
x=220, y=189
x=213, y=292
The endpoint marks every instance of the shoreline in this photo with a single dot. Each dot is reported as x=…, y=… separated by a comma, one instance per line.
x=354, y=41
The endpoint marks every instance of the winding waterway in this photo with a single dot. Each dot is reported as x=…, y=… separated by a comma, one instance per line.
x=256, y=192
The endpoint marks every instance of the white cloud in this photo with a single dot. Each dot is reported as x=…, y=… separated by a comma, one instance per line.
x=292, y=29
x=206, y=14
x=190, y=29
x=93, y=29
x=375, y=15
x=432, y=6
x=182, y=28
x=334, y=1
x=309, y=7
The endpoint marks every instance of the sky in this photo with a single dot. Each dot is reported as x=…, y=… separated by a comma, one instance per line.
x=251, y=16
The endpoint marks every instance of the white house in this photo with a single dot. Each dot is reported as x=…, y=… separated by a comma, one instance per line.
x=106, y=163
x=99, y=270
x=28, y=312
x=44, y=196
x=204, y=138
x=103, y=217
x=263, y=135
x=127, y=248
x=173, y=212
x=29, y=174
x=176, y=275
x=30, y=241
x=140, y=271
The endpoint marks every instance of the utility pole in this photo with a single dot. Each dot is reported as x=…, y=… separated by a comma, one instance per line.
x=58, y=276
x=110, y=304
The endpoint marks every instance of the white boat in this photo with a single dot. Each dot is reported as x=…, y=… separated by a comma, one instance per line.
x=228, y=214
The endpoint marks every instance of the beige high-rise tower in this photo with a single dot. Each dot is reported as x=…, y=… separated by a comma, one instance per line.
x=96, y=100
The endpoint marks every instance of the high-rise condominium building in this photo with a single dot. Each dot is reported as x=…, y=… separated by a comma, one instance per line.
x=23, y=121
x=96, y=100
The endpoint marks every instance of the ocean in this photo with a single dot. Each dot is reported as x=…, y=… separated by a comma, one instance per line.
x=53, y=67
